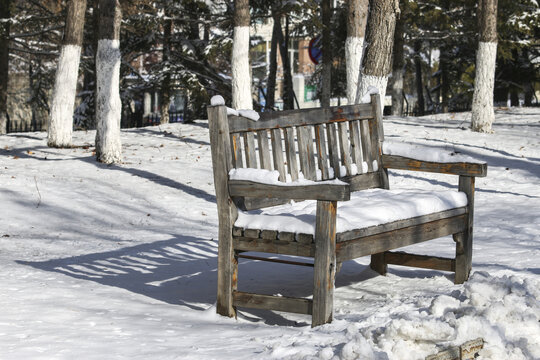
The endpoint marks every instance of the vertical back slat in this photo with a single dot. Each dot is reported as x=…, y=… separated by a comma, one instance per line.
x=277, y=151
x=237, y=151
x=344, y=146
x=292, y=162
x=333, y=148
x=305, y=151
x=366, y=144
x=264, y=150
x=356, y=144
x=320, y=139
x=249, y=147
x=378, y=138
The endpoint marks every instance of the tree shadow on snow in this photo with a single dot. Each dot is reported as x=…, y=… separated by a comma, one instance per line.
x=183, y=271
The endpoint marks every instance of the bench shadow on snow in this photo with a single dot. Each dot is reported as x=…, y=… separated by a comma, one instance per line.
x=182, y=271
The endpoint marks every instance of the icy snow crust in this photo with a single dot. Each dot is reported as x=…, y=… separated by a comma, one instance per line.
x=365, y=208
x=120, y=261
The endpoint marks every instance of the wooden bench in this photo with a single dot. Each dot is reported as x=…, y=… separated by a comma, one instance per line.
x=318, y=143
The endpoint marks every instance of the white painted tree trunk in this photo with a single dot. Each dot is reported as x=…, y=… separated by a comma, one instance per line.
x=241, y=73
x=354, y=47
x=366, y=81
x=108, y=106
x=60, y=126
x=482, y=105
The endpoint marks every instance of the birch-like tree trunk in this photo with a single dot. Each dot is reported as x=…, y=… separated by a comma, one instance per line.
x=398, y=64
x=354, y=44
x=108, y=104
x=60, y=126
x=326, y=13
x=241, y=72
x=5, y=13
x=482, y=105
x=380, y=40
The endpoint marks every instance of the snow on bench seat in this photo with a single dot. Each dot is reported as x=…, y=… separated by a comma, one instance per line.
x=365, y=208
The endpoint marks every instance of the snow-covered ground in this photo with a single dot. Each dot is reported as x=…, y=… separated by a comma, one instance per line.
x=119, y=261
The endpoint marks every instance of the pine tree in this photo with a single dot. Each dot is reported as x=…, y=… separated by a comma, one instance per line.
x=5, y=14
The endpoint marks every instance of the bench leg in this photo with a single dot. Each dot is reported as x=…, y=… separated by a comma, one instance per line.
x=463, y=257
x=464, y=240
x=227, y=276
x=325, y=263
x=378, y=263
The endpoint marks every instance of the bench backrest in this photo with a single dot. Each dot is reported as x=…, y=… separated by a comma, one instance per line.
x=322, y=143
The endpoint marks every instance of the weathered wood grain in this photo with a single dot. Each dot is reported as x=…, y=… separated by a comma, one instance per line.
x=333, y=149
x=344, y=147
x=400, y=224
x=356, y=144
x=325, y=264
x=277, y=303
x=274, y=246
x=290, y=148
x=302, y=117
x=322, y=157
x=305, y=152
x=464, y=240
x=264, y=150
x=299, y=192
x=221, y=164
x=249, y=148
x=366, y=144
x=459, y=168
x=237, y=150
x=364, y=181
x=377, y=243
x=277, y=152
x=420, y=261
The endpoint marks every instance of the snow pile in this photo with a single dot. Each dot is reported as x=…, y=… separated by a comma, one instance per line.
x=364, y=209
x=425, y=153
x=217, y=100
x=371, y=90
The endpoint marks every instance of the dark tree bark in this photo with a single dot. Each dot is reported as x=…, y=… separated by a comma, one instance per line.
x=166, y=84
x=60, y=126
x=419, y=83
x=5, y=13
x=326, y=13
x=398, y=65
x=271, y=84
x=380, y=39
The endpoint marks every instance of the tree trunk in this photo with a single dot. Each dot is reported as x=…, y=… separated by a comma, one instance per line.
x=398, y=66
x=482, y=105
x=271, y=84
x=326, y=13
x=5, y=13
x=241, y=73
x=288, y=95
x=60, y=126
x=166, y=84
x=419, y=83
x=445, y=81
x=354, y=44
x=108, y=103
x=378, y=54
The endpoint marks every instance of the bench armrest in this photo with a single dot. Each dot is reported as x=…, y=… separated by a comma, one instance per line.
x=455, y=168
x=317, y=191
x=404, y=156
